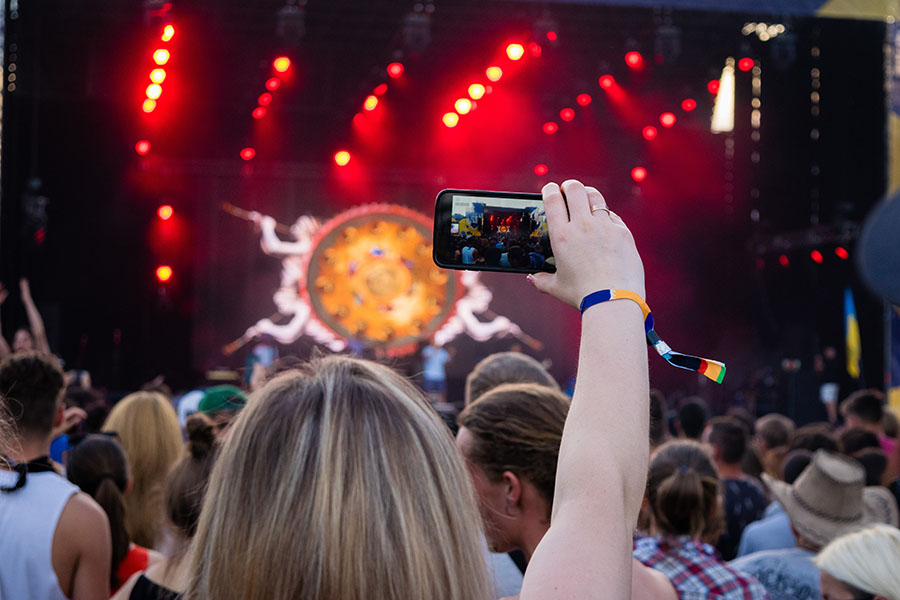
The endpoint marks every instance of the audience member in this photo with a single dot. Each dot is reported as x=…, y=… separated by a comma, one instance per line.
x=222, y=403
x=26, y=340
x=889, y=423
x=505, y=367
x=865, y=409
x=56, y=540
x=683, y=495
x=828, y=500
x=862, y=564
x=148, y=428
x=815, y=436
x=745, y=500
x=659, y=426
x=773, y=434
x=185, y=491
x=773, y=531
x=692, y=418
x=98, y=466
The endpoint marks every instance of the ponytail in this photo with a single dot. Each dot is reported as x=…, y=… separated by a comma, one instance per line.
x=111, y=499
x=683, y=489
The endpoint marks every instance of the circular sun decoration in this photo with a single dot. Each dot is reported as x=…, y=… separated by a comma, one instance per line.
x=371, y=277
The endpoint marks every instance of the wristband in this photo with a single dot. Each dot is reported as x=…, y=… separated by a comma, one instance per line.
x=712, y=369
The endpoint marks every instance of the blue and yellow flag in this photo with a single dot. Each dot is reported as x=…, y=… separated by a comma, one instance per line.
x=851, y=335
x=894, y=383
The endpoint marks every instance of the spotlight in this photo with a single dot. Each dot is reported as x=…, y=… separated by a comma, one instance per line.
x=164, y=273
x=341, y=158
x=634, y=60
x=667, y=119
x=541, y=170
x=535, y=49
x=142, y=147
x=784, y=261
x=154, y=91
x=745, y=64
x=639, y=174
x=463, y=106
x=567, y=114
x=165, y=212
x=264, y=99
x=149, y=105
x=817, y=257
x=583, y=99
x=158, y=75
x=168, y=33
x=688, y=104
x=841, y=253
x=649, y=132
x=515, y=51
x=713, y=86
x=476, y=91
x=370, y=103
x=259, y=112
x=494, y=73
x=380, y=89
x=273, y=83
x=606, y=81
x=723, y=110
x=395, y=70
x=248, y=153
x=551, y=36
x=550, y=127
x=161, y=56
x=281, y=64
x=450, y=119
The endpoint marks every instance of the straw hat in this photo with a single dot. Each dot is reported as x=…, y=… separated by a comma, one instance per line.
x=830, y=499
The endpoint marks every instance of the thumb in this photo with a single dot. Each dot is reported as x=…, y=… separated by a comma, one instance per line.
x=544, y=282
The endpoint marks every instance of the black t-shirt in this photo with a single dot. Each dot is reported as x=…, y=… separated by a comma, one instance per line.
x=745, y=502
x=144, y=589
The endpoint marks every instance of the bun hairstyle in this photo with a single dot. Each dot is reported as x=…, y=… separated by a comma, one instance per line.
x=98, y=466
x=188, y=478
x=683, y=490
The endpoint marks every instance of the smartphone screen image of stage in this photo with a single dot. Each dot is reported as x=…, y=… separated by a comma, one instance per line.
x=499, y=233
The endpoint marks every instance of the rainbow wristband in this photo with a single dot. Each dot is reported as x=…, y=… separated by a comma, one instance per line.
x=709, y=368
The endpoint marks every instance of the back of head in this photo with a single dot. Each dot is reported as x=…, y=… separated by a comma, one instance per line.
x=815, y=436
x=31, y=384
x=683, y=490
x=794, y=464
x=865, y=405
x=186, y=486
x=889, y=423
x=518, y=427
x=856, y=439
x=148, y=427
x=775, y=430
x=98, y=466
x=868, y=560
x=728, y=436
x=506, y=367
x=338, y=481
x=693, y=415
x=658, y=425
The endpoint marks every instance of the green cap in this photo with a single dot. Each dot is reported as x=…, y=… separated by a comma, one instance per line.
x=222, y=397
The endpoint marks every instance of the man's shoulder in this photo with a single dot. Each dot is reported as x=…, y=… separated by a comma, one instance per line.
x=82, y=517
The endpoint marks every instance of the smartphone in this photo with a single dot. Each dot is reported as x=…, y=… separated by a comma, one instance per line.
x=479, y=230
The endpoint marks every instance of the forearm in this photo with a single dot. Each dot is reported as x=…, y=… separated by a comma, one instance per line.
x=36, y=324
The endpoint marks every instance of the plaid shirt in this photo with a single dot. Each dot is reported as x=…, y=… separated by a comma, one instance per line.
x=695, y=570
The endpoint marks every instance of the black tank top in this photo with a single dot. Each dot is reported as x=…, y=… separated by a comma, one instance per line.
x=144, y=589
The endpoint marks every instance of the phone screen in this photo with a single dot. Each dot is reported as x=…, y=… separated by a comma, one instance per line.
x=492, y=231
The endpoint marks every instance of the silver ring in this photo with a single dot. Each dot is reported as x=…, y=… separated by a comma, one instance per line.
x=597, y=207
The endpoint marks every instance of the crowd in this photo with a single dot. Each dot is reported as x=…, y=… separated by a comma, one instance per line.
x=336, y=478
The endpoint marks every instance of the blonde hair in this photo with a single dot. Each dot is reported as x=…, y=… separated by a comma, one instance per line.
x=339, y=481
x=151, y=437
x=868, y=560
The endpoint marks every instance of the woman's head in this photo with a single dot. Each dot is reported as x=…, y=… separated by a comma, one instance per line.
x=863, y=564
x=98, y=466
x=23, y=341
x=338, y=481
x=683, y=490
x=506, y=367
x=186, y=487
x=510, y=438
x=148, y=427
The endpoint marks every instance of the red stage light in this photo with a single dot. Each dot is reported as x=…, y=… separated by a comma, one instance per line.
x=273, y=83
x=168, y=33
x=476, y=91
x=745, y=64
x=164, y=272
x=550, y=127
x=688, y=104
x=450, y=119
x=165, y=212
x=606, y=81
x=281, y=64
x=541, y=170
x=154, y=91
x=370, y=103
x=639, y=174
x=583, y=99
x=551, y=35
x=161, y=56
x=649, y=132
x=259, y=112
x=567, y=114
x=535, y=49
x=342, y=157
x=264, y=99
x=667, y=119
x=842, y=253
x=463, y=106
x=515, y=51
x=142, y=147
x=634, y=59
x=784, y=261
x=149, y=105
x=395, y=70
x=248, y=153
x=817, y=257
x=713, y=86
x=380, y=89
x=158, y=75
x=494, y=73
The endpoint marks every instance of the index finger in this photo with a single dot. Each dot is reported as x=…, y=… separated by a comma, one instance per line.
x=554, y=206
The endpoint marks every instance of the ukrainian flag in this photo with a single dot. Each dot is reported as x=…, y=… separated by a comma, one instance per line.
x=851, y=335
